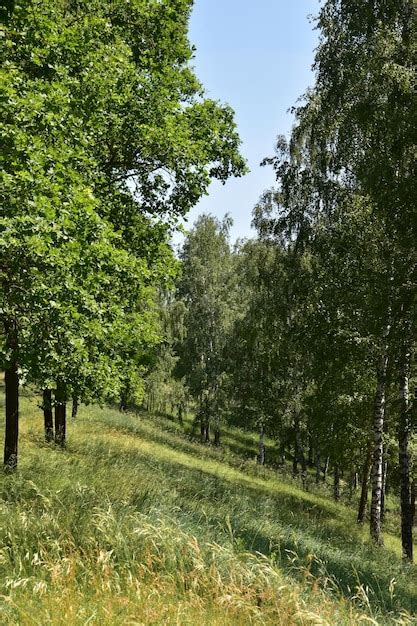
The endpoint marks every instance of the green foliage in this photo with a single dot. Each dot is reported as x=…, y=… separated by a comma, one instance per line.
x=107, y=139
x=206, y=288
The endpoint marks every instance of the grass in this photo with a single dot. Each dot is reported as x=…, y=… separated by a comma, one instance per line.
x=136, y=523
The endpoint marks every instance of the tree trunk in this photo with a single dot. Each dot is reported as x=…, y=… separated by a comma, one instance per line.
x=404, y=430
x=261, y=455
x=296, y=447
x=180, y=410
x=326, y=468
x=217, y=437
x=123, y=406
x=303, y=466
x=47, y=415
x=413, y=502
x=353, y=484
x=207, y=432
x=60, y=415
x=364, y=487
x=74, y=411
x=318, y=467
x=310, y=451
x=11, y=380
x=336, y=482
x=378, y=450
x=384, y=485
x=282, y=455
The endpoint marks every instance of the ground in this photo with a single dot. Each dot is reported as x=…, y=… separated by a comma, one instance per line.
x=137, y=523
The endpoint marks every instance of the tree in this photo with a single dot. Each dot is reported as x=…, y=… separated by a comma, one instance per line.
x=107, y=139
x=205, y=288
x=354, y=135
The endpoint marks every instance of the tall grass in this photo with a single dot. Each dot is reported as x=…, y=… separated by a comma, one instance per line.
x=137, y=524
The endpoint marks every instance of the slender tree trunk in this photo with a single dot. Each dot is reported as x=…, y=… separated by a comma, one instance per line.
x=11, y=380
x=207, y=431
x=303, y=466
x=336, y=482
x=60, y=416
x=47, y=415
x=310, y=451
x=282, y=454
x=204, y=423
x=326, y=468
x=384, y=485
x=123, y=406
x=355, y=480
x=296, y=447
x=261, y=455
x=180, y=409
x=404, y=430
x=318, y=467
x=364, y=486
x=378, y=450
x=413, y=502
x=74, y=411
x=295, y=463
x=217, y=437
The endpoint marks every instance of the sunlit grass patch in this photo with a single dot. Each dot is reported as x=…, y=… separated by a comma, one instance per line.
x=136, y=523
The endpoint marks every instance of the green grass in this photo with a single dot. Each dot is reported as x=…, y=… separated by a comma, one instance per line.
x=136, y=523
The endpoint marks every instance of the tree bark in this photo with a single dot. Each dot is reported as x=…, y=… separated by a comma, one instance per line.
x=326, y=468
x=12, y=416
x=123, y=406
x=404, y=430
x=261, y=455
x=180, y=419
x=378, y=449
x=384, y=486
x=336, y=482
x=282, y=454
x=296, y=447
x=355, y=480
x=353, y=483
x=74, y=411
x=11, y=381
x=303, y=466
x=60, y=416
x=318, y=467
x=413, y=502
x=364, y=487
x=310, y=451
x=47, y=415
x=217, y=437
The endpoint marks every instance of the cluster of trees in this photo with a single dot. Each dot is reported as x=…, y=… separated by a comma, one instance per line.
x=107, y=138
x=309, y=332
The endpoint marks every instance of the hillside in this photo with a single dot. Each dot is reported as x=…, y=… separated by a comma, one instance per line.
x=136, y=523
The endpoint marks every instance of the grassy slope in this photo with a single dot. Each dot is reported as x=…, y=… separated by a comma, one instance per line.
x=137, y=524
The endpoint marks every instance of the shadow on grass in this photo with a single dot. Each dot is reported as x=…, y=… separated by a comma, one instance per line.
x=297, y=527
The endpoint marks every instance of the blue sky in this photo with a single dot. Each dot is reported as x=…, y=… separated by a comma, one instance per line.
x=256, y=56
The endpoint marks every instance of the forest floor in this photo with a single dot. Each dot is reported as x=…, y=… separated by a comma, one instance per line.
x=137, y=523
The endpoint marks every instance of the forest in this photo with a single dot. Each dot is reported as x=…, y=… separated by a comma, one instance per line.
x=226, y=432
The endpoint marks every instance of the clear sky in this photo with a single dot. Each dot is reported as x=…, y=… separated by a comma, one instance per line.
x=256, y=55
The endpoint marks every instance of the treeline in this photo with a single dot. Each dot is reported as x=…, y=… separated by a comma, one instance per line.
x=308, y=332
x=107, y=139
